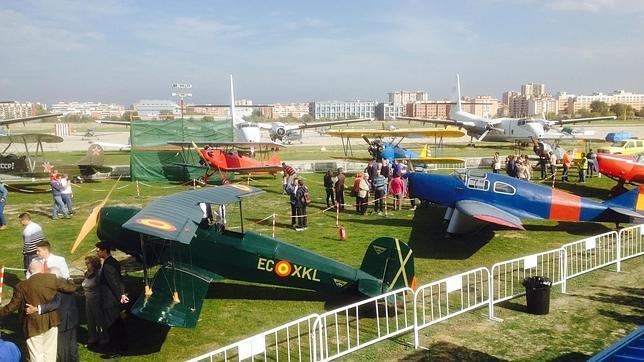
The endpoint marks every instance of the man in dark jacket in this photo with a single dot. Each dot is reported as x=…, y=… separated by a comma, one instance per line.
x=65, y=305
x=339, y=189
x=300, y=206
x=328, y=187
x=112, y=297
x=291, y=191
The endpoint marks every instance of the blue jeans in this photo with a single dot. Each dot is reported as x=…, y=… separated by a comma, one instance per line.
x=67, y=199
x=3, y=221
x=59, y=206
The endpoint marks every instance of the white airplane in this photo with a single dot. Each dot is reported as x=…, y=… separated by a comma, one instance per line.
x=278, y=131
x=501, y=129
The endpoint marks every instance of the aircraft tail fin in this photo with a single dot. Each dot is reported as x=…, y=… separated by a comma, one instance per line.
x=94, y=156
x=232, y=102
x=629, y=204
x=423, y=153
x=391, y=262
x=458, y=91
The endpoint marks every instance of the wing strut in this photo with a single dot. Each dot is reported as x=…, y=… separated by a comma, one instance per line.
x=148, y=289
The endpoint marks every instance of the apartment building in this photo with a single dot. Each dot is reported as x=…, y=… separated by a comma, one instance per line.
x=343, y=110
x=149, y=109
x=634, y=100
x=389, y=110
x=404, y=97
x=11, y=109
x=95, y=110
x=297, y=110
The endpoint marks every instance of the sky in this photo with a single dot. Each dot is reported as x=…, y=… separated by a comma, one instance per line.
x=301, y=51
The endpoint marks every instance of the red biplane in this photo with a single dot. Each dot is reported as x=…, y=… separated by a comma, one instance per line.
x=237, y=157
x=623, y=168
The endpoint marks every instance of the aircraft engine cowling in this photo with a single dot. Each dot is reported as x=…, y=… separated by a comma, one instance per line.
x=278, y=131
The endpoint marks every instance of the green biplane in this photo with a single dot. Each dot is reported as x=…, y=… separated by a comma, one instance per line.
x=169, y=231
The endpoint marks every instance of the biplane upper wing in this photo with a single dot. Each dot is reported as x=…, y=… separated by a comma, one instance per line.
x=241, y=145
x=176, y=217
x=410, y=132
x=6, y=122
x=31, y=138
x=442, y=122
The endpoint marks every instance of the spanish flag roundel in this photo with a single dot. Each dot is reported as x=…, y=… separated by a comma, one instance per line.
x=157, y=224
x=283, y=268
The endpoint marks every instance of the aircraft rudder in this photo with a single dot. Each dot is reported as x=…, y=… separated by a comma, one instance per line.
x=632, y=200
x=391, y=261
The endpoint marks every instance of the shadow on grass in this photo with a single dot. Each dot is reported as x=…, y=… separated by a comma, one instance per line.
x=445, y=351
x=572, y=228
x=629, y=297
x=261, y=292
x=570, y=357
x=583, y=190
x=428, y=238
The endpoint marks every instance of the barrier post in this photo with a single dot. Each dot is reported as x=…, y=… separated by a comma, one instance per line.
x=384, y=199
x=337, y=214
x=138, y=191
x=619, y=251
x=564, y=270
x=1, y=282
x=273, y=225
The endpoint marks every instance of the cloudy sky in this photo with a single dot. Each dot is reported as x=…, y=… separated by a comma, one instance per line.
x=290, y=51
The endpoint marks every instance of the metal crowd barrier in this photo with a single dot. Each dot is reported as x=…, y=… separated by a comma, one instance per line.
x=591, y=253
x=432, y=302
x=632, y=243
x=506, y=278
x=290, y=342
x=348, y=329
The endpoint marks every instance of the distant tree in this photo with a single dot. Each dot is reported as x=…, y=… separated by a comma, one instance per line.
x=585, y=113
x=165, y=112
x=599, y=107
x=76, y=118
x=307, y=118
x=622, y=110
x=40, y=110
x=130, y=116
x=640, y=113
x=208, y=118
x=551, y=115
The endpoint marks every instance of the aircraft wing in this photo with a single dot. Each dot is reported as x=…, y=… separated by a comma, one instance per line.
x=576, y=120
x=434, y=160
x=160, y=307
x=409, y=132
x=5, y=122
x=176, y=217
x=324, y=124
x=240, y=145
x=442, y=122
x=488, y=213
x=120, y=123
x=31, y=138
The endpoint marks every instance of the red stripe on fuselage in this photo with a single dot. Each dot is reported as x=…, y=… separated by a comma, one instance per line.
x=564, y=206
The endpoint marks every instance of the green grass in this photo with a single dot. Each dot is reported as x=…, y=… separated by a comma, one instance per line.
x=234, y=310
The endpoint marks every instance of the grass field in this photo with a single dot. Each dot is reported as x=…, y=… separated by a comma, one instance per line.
x=601, y=308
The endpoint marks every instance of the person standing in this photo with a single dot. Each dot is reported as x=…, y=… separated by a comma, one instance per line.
x=93, y=313
x=592, y=163
x=396, y=188
x=41, y=330
x=385, y=169
x=65, y=305
x=496, y=163
x=291, y=191
x=355, y=191
x=583, y=168
x=566, y=162
x=363, y=194
x=112, y=296
x=49, y=260
x=3, y=202
x=289, y=174
x=67, y=194
x=31, y=235
x=553, y=163
x=56, y=192
x=380, y=190
x=302, y=199
x=339, y=189
x=543, y=160
x=328, y=187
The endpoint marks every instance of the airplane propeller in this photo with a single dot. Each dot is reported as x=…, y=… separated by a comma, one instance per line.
x=92, y=219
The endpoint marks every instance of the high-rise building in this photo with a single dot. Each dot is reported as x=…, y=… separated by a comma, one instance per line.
x=389, y=110
x=152, y=109
x=11, y=109
x=404, y=97
x=533, y=90
x=343, y=110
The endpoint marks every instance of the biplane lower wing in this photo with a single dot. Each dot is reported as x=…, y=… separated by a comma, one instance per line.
x=242, y=170
x=161, y=307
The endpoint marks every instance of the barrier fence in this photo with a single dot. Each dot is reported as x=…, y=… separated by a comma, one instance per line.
x=348, y=329
x=291, y=341
x=432, y=302
x=345, y=330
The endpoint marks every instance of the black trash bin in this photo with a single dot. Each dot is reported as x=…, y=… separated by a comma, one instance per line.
x=537, y=291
